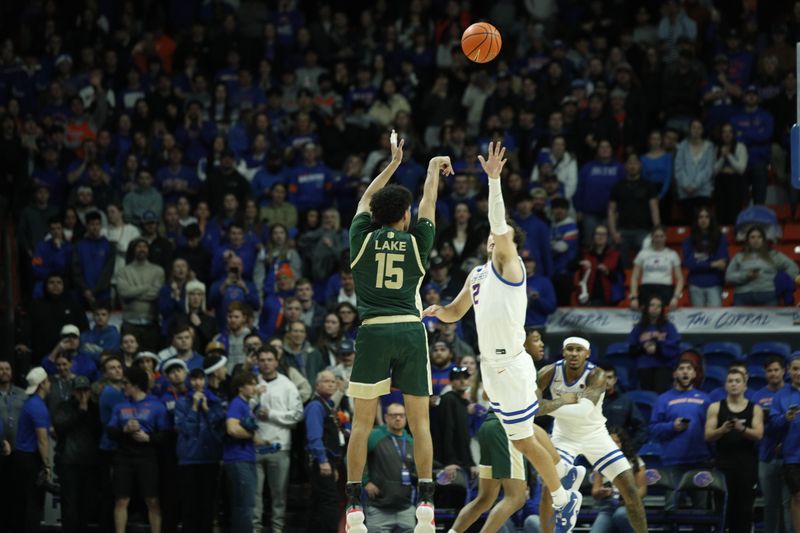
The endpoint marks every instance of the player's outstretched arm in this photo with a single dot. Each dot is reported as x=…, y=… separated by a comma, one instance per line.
x=430, y=191
x=456, y=309
x=381, y=179
x=504, y=255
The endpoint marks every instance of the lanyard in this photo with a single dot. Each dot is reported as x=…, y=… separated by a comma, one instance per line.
x=402, y=454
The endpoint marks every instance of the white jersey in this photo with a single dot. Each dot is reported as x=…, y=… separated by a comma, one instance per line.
x=500, y=308
x=565, y=424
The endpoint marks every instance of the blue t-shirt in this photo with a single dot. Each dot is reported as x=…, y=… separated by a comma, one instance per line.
x=34, y=415
x=239, y=450
x=109, y=398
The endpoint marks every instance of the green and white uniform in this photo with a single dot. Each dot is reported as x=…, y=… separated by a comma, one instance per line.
x=391, y=346
x=499, y=458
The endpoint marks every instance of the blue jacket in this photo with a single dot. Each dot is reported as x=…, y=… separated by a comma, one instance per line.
x=755, y=129
x=309, y=187
x=686, y=447
x=315, y=415
x=667, y=341
x=595, y=181
x=537, y=242
x=772, y=436
x=701, y=274
x=167, y=306
x=200, y=433
x=94, y=341
x=47, y=259
x=92, y=256
x=246, y=252
x=170, y=398
x=786, y=432
x=542, y=307
x=232, y=293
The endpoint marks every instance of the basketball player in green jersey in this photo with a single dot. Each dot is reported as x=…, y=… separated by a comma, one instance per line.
x=388, y=263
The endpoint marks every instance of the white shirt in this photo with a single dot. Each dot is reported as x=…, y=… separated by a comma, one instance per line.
x=500, y=308
x=657, y=266
x=285, y=410
x=566, y=423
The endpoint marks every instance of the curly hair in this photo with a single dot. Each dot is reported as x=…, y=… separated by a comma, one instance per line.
x=389, y=204
x=519, y=234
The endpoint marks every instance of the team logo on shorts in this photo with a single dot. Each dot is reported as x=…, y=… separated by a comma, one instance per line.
x=652, y=475
x=703, y=479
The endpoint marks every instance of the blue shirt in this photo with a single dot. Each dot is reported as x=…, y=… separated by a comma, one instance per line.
x=768, y=444
x=149, y=412
x=239, y=450
x=658, y=171
x=34, y=415
x=109, y=398
x=681, y=447
x=82, y=365
x=787, y=432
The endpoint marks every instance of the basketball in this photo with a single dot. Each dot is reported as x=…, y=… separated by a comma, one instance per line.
x=481, y=42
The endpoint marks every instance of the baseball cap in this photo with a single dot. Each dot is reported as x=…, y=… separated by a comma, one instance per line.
x=578, y=84
x=458, y=372
x=171, y=363
x=81, y=382
x=70, y=329
x=751, y=89
x=35, y=378
x=438, y=262
x=346, y=346
x=149, y=216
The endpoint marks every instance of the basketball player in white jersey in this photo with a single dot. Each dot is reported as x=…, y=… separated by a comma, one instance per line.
x=580, y=429
x=498, y=294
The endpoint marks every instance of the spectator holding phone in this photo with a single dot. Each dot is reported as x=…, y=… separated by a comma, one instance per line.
x=785, y=421
x=736, y=424
x=753, y=270
x=678, y=419
x=770, y=457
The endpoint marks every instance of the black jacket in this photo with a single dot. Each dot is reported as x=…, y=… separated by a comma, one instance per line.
x=451, y=433
x=620, y=411
x=40, y=327
x=77, y=433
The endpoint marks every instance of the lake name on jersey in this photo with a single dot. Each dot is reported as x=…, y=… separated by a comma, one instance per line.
x=392, y=246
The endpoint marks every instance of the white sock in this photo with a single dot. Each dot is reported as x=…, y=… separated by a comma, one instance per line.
x=562, y=467
x=560, y=498
x=452, y=531
x=425, y=480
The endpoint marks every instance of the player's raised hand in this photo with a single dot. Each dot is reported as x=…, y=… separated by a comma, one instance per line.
x=432, y=310
x=442, y=164
x=397, y=152
x=493, y=165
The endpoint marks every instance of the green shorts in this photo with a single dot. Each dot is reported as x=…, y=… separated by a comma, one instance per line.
x=394, y=353
x=499, y=458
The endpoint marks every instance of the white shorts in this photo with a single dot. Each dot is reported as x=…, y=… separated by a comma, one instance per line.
x=598, y=448
x=511, y=388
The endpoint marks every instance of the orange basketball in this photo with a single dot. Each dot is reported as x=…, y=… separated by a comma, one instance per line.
x=481, y=42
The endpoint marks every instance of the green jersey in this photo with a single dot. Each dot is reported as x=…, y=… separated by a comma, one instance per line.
x=388, y=266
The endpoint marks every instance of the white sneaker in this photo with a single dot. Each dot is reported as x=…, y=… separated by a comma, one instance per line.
x=354, y=523
x=425, y=519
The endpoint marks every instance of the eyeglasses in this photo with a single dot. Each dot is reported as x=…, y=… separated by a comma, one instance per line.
x=396, y=415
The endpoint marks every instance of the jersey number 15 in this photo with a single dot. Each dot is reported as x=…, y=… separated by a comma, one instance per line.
x=389, y=275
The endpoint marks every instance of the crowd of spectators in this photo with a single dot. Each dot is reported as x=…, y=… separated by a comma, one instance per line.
x=181, y=175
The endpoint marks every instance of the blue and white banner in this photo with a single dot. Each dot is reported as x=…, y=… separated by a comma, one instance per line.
x=689, y=320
